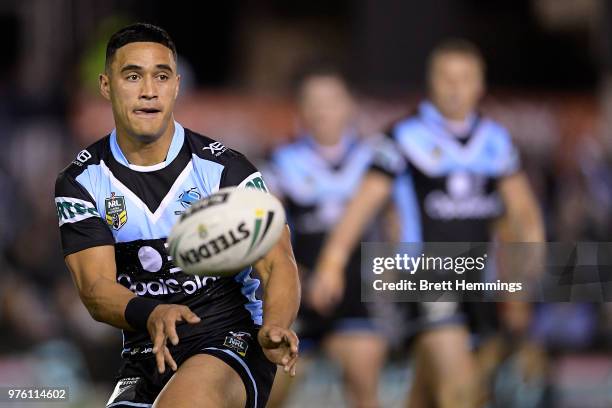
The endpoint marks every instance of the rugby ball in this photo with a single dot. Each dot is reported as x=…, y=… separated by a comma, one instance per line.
x=226, y=232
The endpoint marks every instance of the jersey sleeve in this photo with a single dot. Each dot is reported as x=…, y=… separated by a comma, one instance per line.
x=387, y=158
x=80, y=224
x=509, y=156
x=271, y=173
x=240, y=172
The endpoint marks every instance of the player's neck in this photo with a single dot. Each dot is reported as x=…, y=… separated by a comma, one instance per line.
x=142, y=153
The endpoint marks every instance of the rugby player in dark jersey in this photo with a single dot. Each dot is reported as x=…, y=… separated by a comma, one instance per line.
x=316, y=175
x=455, y=176
x=188, y=341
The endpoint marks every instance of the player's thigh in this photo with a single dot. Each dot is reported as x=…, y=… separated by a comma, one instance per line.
x=420, y=392
x=360, y=355
x=445, y=351
x=203, y=381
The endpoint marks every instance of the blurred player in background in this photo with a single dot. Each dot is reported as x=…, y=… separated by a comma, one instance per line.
x=455, y=176
x=116, y=204
x=315, y=176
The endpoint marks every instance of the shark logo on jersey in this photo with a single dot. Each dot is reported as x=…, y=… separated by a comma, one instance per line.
x=188, y=197
x=116, y=211
x=216, y=148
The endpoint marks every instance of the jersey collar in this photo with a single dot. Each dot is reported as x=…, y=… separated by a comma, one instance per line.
x=429, y=112
x=175, y=146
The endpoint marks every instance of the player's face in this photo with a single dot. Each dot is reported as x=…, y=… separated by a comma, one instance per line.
x=456, y=84
x=142, y=85
x=325, y=108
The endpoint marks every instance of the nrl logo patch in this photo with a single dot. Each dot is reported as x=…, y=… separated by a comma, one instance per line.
x=238, y=341
x=116, y=212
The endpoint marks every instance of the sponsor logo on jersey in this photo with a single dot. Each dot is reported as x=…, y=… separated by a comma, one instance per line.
x=238, y=341
x=160, y=287
x=187, y=198
x=116, y=211
x=70, y=210
x=216, y=148
x=82, y=157
x=259, y=221
x=255, y=181
x=464, y=198
x=214, y=246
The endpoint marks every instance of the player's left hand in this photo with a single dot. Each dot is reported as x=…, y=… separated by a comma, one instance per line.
x=280, y=346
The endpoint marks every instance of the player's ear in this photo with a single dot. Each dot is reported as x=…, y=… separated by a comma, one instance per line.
x=104, y=85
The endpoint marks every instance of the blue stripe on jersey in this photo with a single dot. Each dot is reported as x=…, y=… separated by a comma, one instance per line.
x=208, y=173
x=309, y=179
x=318, y=188
x=249, y=287
x=178, y=139
x=407, y=204
x=433, y=150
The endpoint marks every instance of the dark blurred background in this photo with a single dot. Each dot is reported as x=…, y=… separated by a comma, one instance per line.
x=549, y=77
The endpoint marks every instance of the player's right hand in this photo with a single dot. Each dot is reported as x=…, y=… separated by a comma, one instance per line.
x=162, y=327
x=325, y=291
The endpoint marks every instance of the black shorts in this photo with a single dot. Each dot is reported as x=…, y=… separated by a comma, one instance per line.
x=480, y=318
x=139, y=382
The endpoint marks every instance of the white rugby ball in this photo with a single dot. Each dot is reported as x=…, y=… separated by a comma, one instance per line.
x=226, y=232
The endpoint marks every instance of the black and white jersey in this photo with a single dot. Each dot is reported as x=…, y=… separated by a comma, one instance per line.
x=445, y=184
x=102, y=199
x=316, y=190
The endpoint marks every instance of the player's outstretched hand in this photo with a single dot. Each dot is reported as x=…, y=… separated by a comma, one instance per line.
x=280, y=346
x=162, y=327
x=325, y=290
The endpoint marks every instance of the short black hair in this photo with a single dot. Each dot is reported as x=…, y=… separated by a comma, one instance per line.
x=314, y=68
x=138, y=32
x=456, y=46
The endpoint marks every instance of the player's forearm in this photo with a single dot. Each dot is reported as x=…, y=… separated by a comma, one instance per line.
x=281, y=284
x=345, y=236
x=93, y=271
x=525, y=223
x=282, y=297
x=106, y=301
x=522, y=221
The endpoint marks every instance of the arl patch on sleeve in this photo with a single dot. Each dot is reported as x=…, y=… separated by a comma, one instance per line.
x=70, y=210
x=255, y=180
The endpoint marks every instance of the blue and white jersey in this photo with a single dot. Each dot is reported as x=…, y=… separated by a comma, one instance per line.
x=446, y=184
x=102, y=199
x=315, y=190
